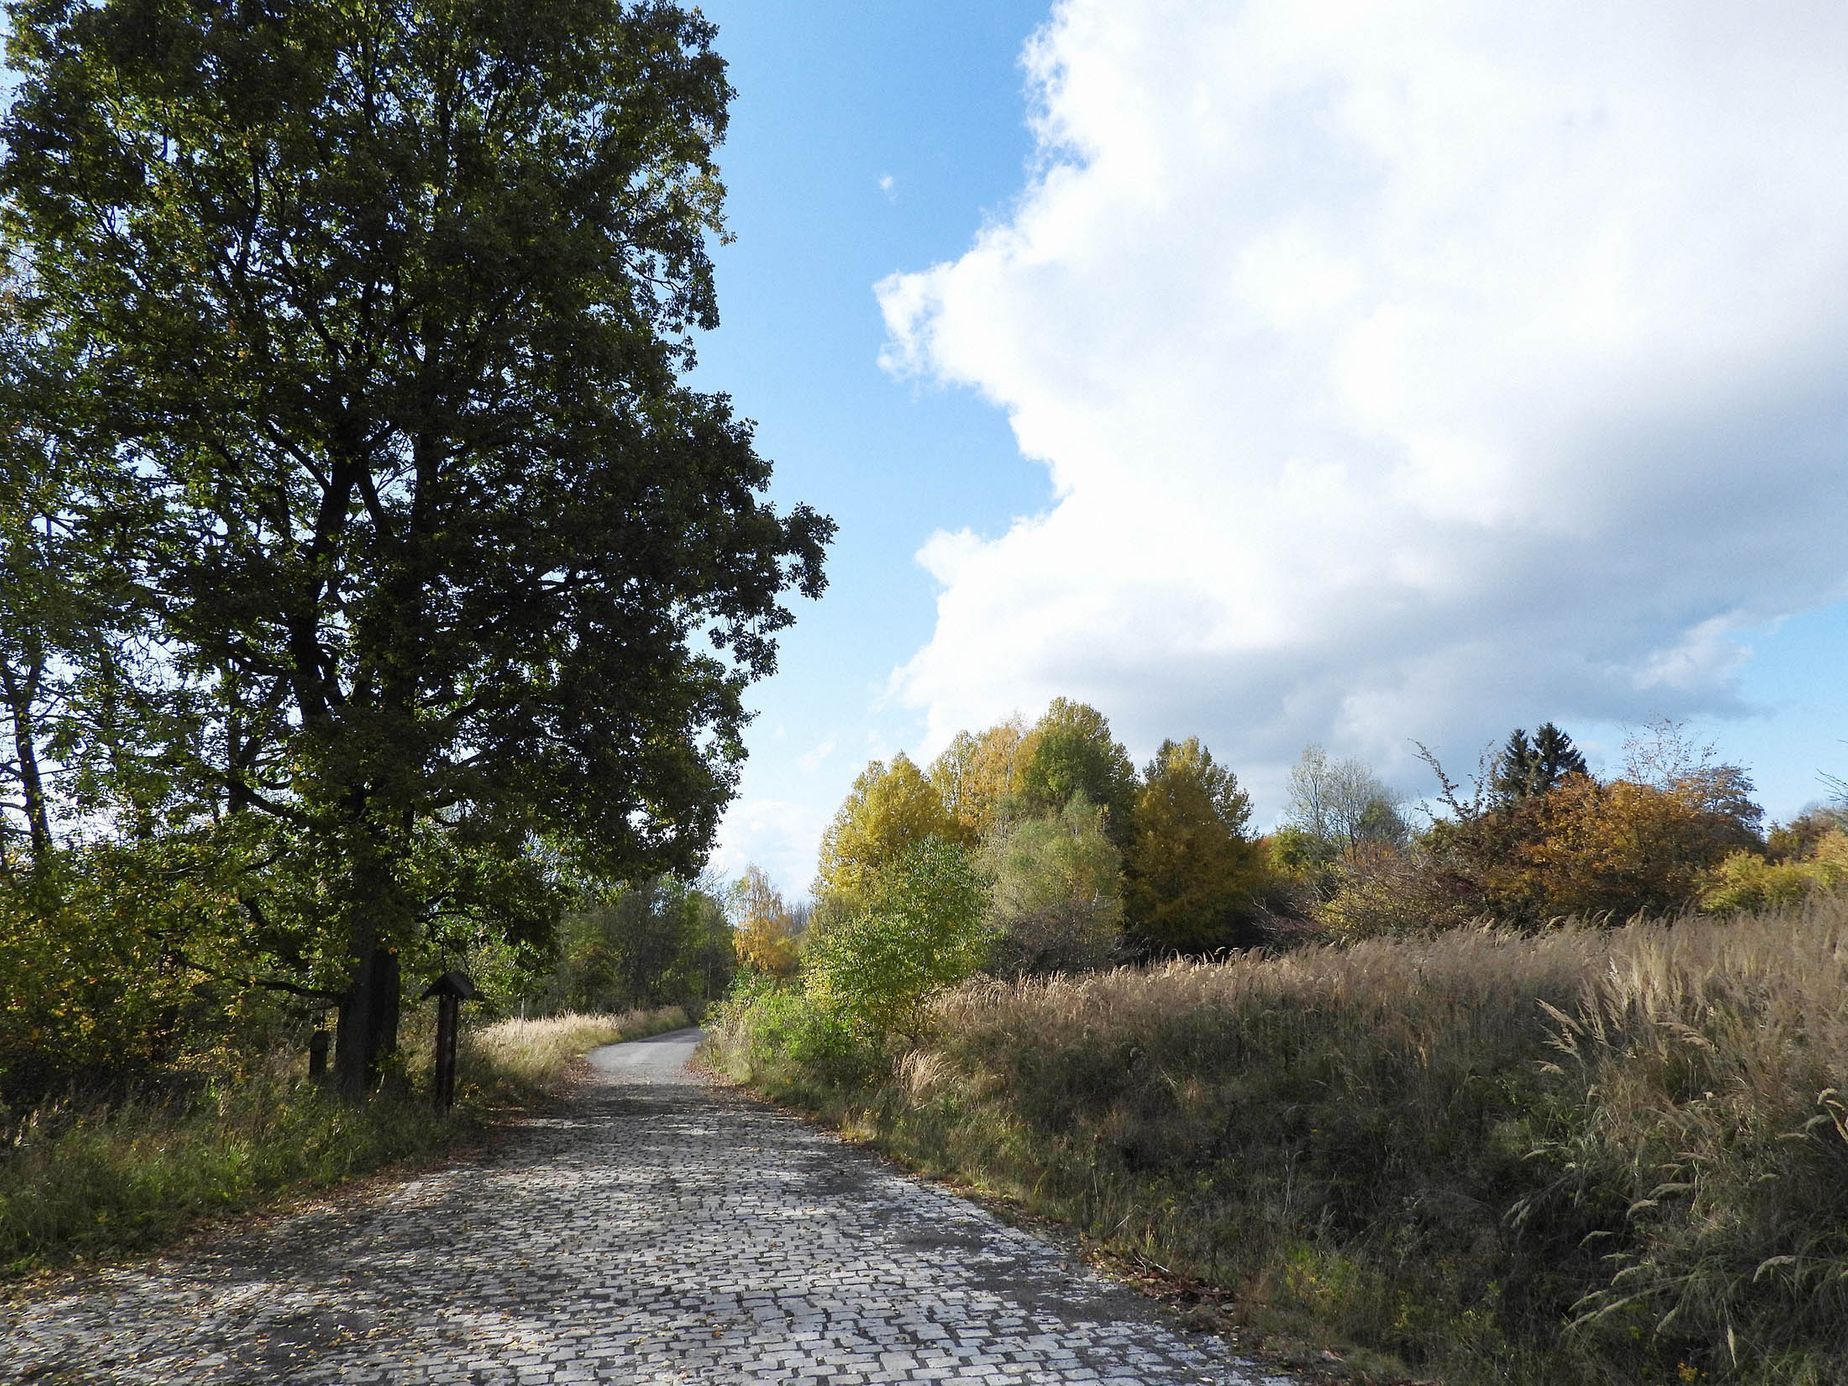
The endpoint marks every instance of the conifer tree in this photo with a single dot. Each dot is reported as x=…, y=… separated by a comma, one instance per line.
x=1527, y=768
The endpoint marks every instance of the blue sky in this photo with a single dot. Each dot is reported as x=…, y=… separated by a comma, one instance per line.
x=1413, y=376
x=835, y=98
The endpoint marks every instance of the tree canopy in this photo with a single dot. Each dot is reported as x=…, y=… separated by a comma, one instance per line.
x=1071, y=751
x=1342, y=804
x=767, y=935
x=382, y=317
x=1527, y=768
x=890, y=809
x=1195, y=877
x=978, y=775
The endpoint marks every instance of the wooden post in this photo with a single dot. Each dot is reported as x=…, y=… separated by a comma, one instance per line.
x=447, y=1013
x=450, y=991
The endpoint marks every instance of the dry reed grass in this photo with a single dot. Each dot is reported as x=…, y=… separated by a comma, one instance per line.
x=1590, y=1154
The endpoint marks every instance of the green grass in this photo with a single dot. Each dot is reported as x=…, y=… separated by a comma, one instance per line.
x=90, y=1181
x=1612, y=1156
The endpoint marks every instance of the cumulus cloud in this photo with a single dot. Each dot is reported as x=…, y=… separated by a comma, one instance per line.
x=776, y=835
x=1399, y=370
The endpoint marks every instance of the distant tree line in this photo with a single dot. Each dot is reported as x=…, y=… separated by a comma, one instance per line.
x=660, y=941
x=1536, y=838
x=1028, y=850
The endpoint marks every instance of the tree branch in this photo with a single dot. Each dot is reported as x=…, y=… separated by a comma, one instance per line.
x=268, y=983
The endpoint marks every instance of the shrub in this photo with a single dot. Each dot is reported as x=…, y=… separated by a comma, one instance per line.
x=920, y=929
x=867, y=980
x=1747, y=881
x=95, y=987
x=1391, y=891
x=1588, y=849
x=1056, y=899
x=770, y=1024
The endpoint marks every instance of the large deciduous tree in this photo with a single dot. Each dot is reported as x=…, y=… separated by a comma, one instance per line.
x=1196, y=879
x=384, y=310
x=34, y=610
x=890, y=809
x=978, y=775
x=1071, y=751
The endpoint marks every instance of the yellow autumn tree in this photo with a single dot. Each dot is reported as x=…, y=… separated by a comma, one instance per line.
x=1748, y=881
x=891, y=808
x=766, y=936
x=978, y=773
x=1195, y=878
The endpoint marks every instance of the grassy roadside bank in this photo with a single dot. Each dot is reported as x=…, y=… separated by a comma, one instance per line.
x=1599, y=1156
x=84, y=1182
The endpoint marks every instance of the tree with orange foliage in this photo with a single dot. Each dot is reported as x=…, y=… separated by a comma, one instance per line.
x=1643, y=844
x=1625, y=848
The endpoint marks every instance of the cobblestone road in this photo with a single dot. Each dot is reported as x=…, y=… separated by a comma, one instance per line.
x=660, y=1231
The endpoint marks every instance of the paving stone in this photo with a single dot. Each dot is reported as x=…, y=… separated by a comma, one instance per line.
x=663, y=1231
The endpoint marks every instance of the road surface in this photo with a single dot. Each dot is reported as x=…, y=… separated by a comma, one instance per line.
x=662, y=1229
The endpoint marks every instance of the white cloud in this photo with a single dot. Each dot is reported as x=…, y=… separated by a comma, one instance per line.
x=777, y=835
x=1399, y=370
x=811, y=761
x=889, y=186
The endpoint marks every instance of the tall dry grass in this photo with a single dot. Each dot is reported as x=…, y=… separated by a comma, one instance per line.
x=1602, y=1155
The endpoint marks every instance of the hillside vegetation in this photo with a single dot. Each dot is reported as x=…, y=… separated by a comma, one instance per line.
x=1552, y=1087
x=1587, y=1154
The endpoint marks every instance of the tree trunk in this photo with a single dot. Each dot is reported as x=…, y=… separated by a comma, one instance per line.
x=20, y=696
x=368, y=1031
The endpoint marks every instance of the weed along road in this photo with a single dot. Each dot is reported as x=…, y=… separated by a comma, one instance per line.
x=660, y=1229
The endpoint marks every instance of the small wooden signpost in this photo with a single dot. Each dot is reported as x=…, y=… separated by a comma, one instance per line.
x=450, y=991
